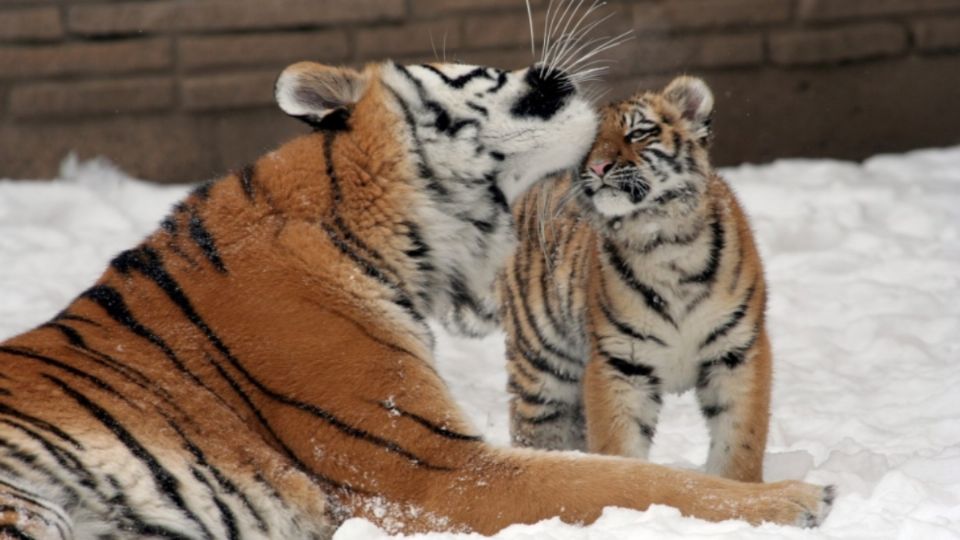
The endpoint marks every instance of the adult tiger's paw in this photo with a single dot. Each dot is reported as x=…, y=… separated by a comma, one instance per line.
x=795, y=503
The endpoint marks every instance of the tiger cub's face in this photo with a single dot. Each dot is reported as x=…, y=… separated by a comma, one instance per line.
x=651, y=153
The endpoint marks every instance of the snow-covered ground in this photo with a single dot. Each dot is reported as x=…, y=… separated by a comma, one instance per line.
x=863, y=262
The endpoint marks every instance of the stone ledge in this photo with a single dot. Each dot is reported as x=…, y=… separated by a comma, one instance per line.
x=65, y=99
x=847, y=43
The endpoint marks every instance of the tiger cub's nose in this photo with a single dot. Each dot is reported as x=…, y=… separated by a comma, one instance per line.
x=600, y=167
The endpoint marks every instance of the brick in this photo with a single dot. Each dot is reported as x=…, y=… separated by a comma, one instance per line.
x=39, y=24
x=695, y=14
x=685, y=52
x=426, y=8
x=844, y=9
x=391, y=41
x=153, y=147
x=92, y=97
x=504, y=59
x=941, y=34
x=196, y=53
x=497, y=30
x=228, y=91
x=85, y=58
x=214, y=15
x=859, y=42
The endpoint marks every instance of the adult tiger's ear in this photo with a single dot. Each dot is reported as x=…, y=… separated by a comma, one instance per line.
x=319, y=95
x=694, y=100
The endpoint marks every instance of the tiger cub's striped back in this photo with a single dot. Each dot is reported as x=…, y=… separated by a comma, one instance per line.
x=636, y=278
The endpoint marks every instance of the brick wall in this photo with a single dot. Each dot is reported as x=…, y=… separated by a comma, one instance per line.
x=177, y=90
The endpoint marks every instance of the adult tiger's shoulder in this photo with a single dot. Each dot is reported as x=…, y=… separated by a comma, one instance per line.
x=649, y=283
x=260, y=367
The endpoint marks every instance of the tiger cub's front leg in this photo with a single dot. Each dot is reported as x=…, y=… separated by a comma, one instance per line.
x=734, y=395
x=622, y=403
x=545, y=410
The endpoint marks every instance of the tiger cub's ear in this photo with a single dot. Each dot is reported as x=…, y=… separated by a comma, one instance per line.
x=319, y=95
x=693, y=99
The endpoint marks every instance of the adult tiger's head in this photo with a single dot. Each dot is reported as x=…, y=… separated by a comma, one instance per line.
x=471, y=122
x=472, y=139
x=651, y=154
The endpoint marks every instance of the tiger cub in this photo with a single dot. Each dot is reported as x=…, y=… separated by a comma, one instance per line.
x=651, y=284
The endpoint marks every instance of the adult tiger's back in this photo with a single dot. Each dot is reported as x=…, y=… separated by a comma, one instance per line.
x=260, y=366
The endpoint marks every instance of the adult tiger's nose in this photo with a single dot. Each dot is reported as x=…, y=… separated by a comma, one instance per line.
x=600, y=167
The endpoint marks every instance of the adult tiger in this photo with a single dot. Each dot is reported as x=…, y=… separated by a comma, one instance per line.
x=650, y=284
x=260, y=366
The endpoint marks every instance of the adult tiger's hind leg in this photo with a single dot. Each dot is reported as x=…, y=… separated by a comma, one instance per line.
x=734, y=395
x=25, y=515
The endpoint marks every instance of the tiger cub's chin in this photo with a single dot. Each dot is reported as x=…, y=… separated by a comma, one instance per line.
x=649, y=283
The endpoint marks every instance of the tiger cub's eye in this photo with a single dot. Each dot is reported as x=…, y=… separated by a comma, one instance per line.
x=643, y=133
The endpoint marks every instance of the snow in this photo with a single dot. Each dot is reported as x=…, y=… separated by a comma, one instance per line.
x=863, y=262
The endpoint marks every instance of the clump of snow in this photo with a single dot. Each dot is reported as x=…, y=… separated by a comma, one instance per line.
x=863, y=262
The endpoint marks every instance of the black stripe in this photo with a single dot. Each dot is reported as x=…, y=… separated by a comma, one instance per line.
x=225, y=483
x=542, y=419
x=460, y=81
x=479, y=108
x=525, y=349
x=501, y=82
x=112, y=302
x=67, y=460
x=64, y=316
x=68, y=332
x=647, y=430
x=531, y=319
x=203, y=190
x=651, y=298
x=530, y=399
x=527, y=268
x=462, y=296
x=372, y=271
x=425, y=170
x=167, y=483
x=5, y=392
x=625, y=328
x=631, y=369
x=738, y=268
x=247, y=176
x=202, y=237
x=227, y=518
x=77, y=343
x=40, y=424
x=96, y=381
x=717, y=243
x=734, y=319
x=35, y=499
x=731, y=359
x=287, y=451
x=713, y=411
x=148, y=262
x=432, y=426
x=134, y=521
x=343, y=237
x=661, y=241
